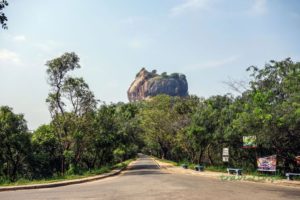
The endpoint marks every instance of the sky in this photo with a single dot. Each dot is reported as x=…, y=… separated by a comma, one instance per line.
x=210, y=41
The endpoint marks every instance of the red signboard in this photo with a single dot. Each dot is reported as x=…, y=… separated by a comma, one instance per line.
x=297, y=158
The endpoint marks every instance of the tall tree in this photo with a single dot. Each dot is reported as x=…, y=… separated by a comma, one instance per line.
x=57, y=71
x=57, y=76
x=276, y=102
x=69, y=100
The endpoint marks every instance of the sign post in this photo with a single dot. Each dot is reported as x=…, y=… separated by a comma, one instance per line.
x=225, y=155
x=249, y=141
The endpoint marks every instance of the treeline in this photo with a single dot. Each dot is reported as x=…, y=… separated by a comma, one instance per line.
x=104, y=137
x=196, y=130
x=85, y=134
x=81, y=135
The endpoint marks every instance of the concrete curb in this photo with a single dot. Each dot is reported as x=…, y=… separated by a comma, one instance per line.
x=62, y=183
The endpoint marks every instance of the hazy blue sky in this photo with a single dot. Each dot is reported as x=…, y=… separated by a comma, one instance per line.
x=208, y=40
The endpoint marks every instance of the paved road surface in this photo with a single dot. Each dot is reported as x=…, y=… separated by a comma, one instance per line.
x=146, y=181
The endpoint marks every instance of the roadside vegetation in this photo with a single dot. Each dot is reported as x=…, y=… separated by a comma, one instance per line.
x=53, y=179
x=83, y=135
x=248, y=175
x=86, y=135
x=194, y=130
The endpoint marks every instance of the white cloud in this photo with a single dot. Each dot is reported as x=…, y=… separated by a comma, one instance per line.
x=48, y=46
x=19, y=38
x=135, y=44
x=189, y=5
x=214, y=63
x=7, y=56
x=132, y=20
x=139, y=43
x=259, y=7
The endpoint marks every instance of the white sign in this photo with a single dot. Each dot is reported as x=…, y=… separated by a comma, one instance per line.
x=225, y=151
x=225, y=158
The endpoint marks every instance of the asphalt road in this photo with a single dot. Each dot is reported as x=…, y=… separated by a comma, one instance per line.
x=144, y=180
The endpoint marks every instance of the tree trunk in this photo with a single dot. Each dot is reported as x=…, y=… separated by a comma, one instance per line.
x=62, y=167
x=164, y=153
x=209, y=156
x=200, y=156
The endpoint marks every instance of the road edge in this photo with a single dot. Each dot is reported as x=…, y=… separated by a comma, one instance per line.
x=157, y=164
x=63, y=183
x=281, y=183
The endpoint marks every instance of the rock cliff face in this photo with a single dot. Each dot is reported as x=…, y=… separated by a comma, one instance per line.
x=148, y=84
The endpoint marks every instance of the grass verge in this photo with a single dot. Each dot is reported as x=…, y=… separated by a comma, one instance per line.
x=223, y=169
x=94, y=172
x=166, y=161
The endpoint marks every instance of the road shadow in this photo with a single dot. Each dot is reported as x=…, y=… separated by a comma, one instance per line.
x=143, y=172
x=145, y=167
x=287, y=192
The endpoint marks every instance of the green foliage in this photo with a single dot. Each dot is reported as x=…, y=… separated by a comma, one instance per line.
x=269, y=110
x=45, y=153
x=164, y=75
x=158, y=118
x=83, y=137
x=119, y=154
x=15, y=146
x=71, y=104
x=3, y=18
x=69, y=176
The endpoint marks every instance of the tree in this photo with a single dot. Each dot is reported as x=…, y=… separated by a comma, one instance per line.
x=57, y=76
x=195, y=137
x=159, y=121
x=80, y=118
x=275, y=98
x=70, y=103
x=104, y=136
x=3, y=18
x=128, y=135
x=14, y=144
x=206, y=131
x=77, y=92
x=45, y=153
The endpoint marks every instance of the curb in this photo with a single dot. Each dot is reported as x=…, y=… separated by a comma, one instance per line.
x=62, y=183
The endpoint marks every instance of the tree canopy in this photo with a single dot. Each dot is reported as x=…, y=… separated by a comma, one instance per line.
x=3, y=18
x=85, y=133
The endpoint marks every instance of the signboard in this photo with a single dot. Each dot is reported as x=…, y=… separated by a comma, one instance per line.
x=225, y=158
x=249, y=141
x=267, y=163
x=225, y=151
x=225, y=154
x=297, y=160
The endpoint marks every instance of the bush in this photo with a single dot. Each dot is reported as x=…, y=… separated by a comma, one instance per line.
x=119, y=155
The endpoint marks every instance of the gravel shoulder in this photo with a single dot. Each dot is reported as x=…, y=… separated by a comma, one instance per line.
x=224, y=176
